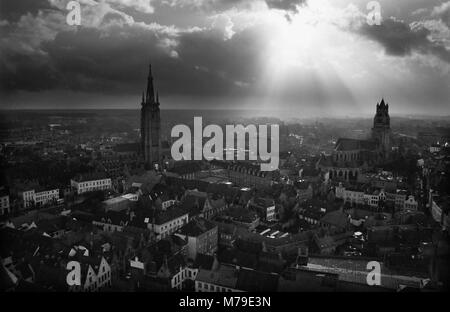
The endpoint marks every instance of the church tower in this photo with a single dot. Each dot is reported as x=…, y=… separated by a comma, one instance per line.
x=381, y=130
x=150, y=124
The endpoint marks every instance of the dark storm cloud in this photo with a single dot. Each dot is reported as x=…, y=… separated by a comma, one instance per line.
x=443, y=13
x=201, y=62
x=223, y=5
x=400, y=39
x=12, y=10
x=287, y=5
x=89, y=59
x=25, y=72
x=236, y=59
x=208, y=55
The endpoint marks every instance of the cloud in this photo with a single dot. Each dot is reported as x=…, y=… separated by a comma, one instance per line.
x=223, y=5
x=13, y=10
x=286, y=5
x=138, y=5
x=109, y=53
x=442, y=12
x=400, y=39
x=223, y=50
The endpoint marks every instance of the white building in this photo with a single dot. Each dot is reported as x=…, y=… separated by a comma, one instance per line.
x=352, y=196
x=131, y=196
x=374, y=199
x=85, y=185
x=4, y=204
x=39, y=198
x=167, y=222
x=104, y=274
x=202, y=237
x=411, y=203
x=357, y=196
x=435, y=148
x=221, y=278
x=92, y=281
x=166, y=204
x=27, y=198
x=270, y=214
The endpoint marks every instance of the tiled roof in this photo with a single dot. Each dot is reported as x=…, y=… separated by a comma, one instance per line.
x=196, y=227
x=126, y=147
x=345, y=144
x=297, y=280
x=116, y=217
x=90, y=177
x=186, y=167
x=170, y=214
x=257, y=281
x=225, y=276
x=336, y=218
x=188, y=184
x=193, y=205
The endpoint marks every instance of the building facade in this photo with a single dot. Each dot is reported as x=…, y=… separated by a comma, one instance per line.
x=38, y=198
x=167, y=223
x=84, y=185
x=4, y=202
x=90, y=280
x=249, y=175
x=202, y=237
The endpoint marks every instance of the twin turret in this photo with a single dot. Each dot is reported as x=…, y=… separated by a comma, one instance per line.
x=382, y=119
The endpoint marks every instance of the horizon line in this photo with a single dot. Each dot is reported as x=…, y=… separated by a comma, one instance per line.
x=220, y=109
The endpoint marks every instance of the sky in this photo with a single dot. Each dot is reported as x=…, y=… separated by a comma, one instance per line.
x=304, y=57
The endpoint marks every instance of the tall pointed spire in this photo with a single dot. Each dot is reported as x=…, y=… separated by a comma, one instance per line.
x=150, y=124
x=150, y=92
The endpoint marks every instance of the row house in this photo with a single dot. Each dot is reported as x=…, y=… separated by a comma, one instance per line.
x=361, y=196
x=38, y=197
x=169, y=267
x=89, y=184
x=112, y=221
x=95, y=274
x=187, y=170
x=249, y=175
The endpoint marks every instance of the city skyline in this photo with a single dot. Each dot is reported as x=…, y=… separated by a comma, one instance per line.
x=242, y=147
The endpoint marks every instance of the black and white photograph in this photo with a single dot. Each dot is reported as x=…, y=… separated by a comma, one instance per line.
x=246, y=148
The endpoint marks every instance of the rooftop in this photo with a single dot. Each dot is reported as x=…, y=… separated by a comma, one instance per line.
x=224, y=276
x=345, y=144
x=196, y=227
x=90, y=177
